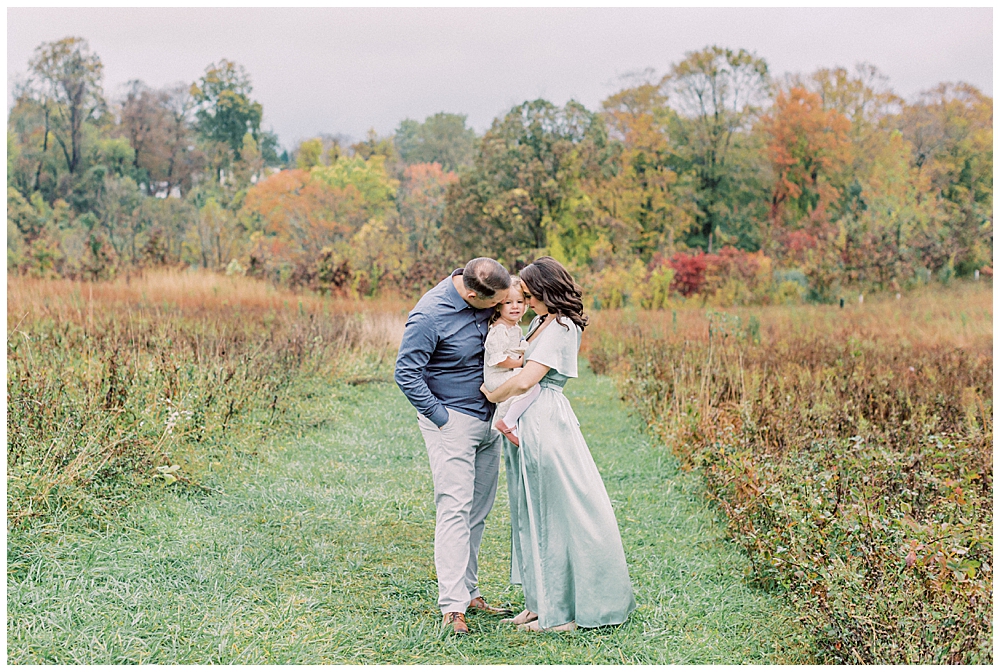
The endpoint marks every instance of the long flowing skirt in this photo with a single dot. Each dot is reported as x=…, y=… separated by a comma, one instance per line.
x=566, y=551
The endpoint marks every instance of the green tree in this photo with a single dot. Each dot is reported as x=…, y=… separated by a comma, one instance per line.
x=524, y=195
x=225, y=111
x=718, y=93
x=33, y=163
x=216, y=238
x=66, y=80
x=309, y=153
x=442, y=138
x=950, y=129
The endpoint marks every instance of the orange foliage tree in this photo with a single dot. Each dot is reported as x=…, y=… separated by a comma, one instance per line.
x=421, y=202
x=809, y=148
x=307, y=224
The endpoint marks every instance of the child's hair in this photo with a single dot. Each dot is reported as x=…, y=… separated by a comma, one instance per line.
x=515, y=282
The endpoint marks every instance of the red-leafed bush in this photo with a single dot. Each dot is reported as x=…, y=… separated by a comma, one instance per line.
x=708, y=273
x=689, y=272
x=740, y=263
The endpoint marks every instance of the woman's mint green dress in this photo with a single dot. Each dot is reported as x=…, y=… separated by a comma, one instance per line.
x=566, y=552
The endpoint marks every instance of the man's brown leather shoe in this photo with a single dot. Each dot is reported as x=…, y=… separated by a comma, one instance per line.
x=479, y=604
x=457, y=621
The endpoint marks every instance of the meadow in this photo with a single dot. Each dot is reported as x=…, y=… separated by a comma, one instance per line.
x=166, y=376
x=299, y=530
x=850, y=449
x=205, y=468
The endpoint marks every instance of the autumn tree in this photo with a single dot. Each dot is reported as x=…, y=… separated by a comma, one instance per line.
x=335, y=212
x=862, y=95
x=374, y=145
x=809, y=148
x=309, y=153
x=644, y=204
x=421, y=201
x=158, y=126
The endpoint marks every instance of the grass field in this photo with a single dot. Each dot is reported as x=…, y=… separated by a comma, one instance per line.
x=210, y=469
x=320, y=550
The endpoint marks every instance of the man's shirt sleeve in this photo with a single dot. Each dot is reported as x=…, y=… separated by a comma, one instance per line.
x=418, y=344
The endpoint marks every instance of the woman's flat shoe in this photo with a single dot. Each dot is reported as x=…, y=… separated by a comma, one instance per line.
x=534, y=627
x=522, y=618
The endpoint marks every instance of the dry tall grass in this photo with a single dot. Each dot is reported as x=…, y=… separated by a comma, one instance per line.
x=851, y=450
x=961, y=317
x=112, y=385
x=185, y=291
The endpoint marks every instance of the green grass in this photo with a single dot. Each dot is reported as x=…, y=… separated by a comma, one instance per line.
x=321, y=551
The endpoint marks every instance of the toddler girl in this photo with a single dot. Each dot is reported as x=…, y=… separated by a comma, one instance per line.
x=505, y=346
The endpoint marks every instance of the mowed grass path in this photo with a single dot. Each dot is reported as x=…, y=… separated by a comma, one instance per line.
x=321, y=551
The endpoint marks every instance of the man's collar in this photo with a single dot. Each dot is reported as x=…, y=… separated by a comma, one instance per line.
x=456, y=299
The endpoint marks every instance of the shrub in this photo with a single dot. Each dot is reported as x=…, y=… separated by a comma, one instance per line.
x=689, y=272
x=639, y=285
x=851, y=453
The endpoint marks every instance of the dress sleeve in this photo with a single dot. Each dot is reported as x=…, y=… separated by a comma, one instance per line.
x=557, y=348
x=495, y=346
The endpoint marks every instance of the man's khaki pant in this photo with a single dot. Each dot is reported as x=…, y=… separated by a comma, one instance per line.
x=465, y=465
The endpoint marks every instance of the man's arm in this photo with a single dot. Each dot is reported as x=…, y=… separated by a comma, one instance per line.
x=419, y=341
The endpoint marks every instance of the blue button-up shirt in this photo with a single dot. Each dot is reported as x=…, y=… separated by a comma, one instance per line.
x=440, y=361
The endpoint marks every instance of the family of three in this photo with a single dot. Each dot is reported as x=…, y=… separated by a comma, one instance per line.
x=459, y=357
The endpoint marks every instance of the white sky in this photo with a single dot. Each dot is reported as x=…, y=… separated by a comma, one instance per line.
x=345, y=70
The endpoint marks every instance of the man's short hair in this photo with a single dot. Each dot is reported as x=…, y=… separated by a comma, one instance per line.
x=485, y=277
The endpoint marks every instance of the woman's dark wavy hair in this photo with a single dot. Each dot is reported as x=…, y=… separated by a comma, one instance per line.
x=546, y=279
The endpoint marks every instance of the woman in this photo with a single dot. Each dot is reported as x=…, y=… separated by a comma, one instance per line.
x=566, y=551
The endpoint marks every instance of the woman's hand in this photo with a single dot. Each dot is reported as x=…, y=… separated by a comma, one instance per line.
x=487, y=393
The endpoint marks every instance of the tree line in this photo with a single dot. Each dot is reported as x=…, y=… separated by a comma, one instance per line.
x=715, y=179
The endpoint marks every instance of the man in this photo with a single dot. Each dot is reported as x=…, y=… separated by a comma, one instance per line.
x=440, y=370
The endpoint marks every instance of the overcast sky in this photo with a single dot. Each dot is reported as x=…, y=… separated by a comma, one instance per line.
x=347, y=70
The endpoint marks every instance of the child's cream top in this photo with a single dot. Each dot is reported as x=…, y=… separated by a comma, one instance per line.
x=501, y=342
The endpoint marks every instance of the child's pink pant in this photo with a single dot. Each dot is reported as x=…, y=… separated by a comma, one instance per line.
x=519, y=407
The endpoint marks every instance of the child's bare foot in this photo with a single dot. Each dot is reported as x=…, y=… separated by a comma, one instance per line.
x=502, y=427
x=522, y=618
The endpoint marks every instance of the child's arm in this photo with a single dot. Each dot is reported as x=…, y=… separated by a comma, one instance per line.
x=519, y=384
x=510, y=363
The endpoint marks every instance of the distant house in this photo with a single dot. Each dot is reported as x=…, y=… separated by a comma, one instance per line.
x=161, y=190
